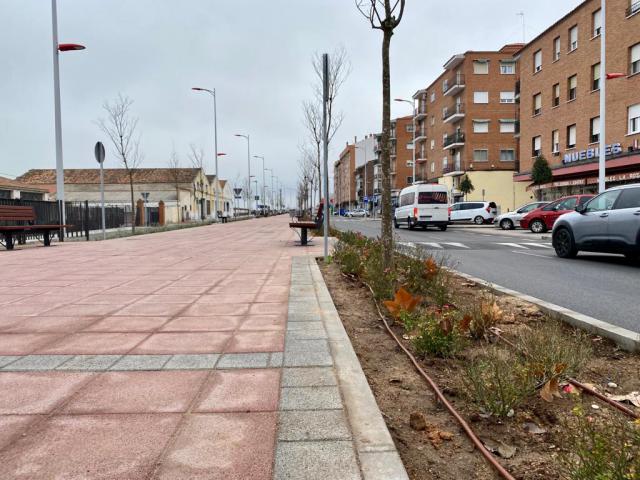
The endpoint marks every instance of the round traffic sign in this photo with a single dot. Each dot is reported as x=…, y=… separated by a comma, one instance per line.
x=98, y=151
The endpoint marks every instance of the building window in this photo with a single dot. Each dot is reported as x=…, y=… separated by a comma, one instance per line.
x=409, y=180
x=556, y=49
x=445, y=112
x=634, y=7
x=433, y=97
x=507, y=68
x=596, y=21
x=571, y=136
x=634, y=55
x=481, y=155
x=433, y=167
x=595, y=77
x=508, y=155
x=573, y=38
x=433, y=144
x=537, y=104
x=445, y=162
x=481, y=67
x=555, y=141
x=410, y=146
x=507, y=97
x=537, y=61
x=634, y=118
x=409, y=128
x=480, y=97
x=481, y=126
x=536, y=143
x=594, y=130
x=507, y=126
x=556, y=95
x=433, y=120
x=572, y=85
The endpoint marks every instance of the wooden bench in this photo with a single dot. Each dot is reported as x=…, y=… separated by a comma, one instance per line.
x=26, y=215
x=307, y=225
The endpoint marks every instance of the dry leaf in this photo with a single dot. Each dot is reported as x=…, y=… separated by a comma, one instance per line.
x=402, y=302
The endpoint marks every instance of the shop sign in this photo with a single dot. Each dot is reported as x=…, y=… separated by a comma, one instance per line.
x=591, y=153
x=569, y=183
x=619, y=177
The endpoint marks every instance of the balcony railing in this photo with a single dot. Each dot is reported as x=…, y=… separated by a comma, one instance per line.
x=453, y=85
x=455, y=113
x=633, y=9
x=517, y=89
x=451, y=168
x=455, y=139
x=421, y=111
x=420, y=134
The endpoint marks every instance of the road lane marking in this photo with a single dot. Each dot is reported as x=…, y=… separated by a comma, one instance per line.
x=515, y=245
x=531, y=254
x=539, y=245
x=455, y=244
x=431, y=244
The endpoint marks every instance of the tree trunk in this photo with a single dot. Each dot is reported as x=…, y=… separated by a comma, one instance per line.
x=386, y=229
x=133, y=205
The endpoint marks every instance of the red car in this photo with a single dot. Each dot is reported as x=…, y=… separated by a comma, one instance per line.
x=543, y=218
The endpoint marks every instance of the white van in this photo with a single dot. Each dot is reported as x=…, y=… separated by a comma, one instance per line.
x=423, y=205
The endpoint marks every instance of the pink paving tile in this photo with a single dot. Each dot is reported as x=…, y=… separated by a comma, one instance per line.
x=24, y=343
x=128, y=324
x=217, y=298
x=83, y=310
x=206, y=309
x=170, y=298
x=9, y=321
x=269, y=308
x=273, y=297
x=218, y=323
x=110, y=299
x=243, y=390
x=29, y=309
x=36, y=392
x=154, y=310
x=12, y=425
x=264, y=341
x=49, y=300
x=264, y=322
x=138, y=392
x=201, y=342
x=94, y=344
x=42, y=324
x=236, y=287
x=100, y=447
x=185, y=289
x=223, y=446
x=9, y=298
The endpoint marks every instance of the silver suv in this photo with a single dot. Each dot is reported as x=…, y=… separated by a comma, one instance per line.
x=608, y=223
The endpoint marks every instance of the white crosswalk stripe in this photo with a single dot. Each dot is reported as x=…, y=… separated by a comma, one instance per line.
x=514, y=245
x=539, y=245
x=432, y=244
x=455, y=244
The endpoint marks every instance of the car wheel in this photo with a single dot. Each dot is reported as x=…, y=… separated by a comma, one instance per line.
x=443, y=228
x=395, y=223
x=506, y=224
x=479, y=220
x=409, y=224
x=564, y=244
x=538, y=226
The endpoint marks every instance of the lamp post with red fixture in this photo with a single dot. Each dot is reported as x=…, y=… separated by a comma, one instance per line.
x=57, y=48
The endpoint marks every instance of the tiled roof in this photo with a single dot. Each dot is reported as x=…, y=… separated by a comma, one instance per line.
x=82, y=176
x=7, y=183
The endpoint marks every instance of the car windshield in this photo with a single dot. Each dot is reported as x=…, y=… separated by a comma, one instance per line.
x=552, y=206
x=432, y=197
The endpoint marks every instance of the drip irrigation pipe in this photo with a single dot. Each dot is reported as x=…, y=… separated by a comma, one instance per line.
x=576, y=383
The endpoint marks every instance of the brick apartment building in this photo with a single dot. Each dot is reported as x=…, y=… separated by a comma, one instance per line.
x=344, y=178
x=465, y=125
x=401, y=153
x=560, y=80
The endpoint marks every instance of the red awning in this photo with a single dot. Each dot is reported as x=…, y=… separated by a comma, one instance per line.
x=588, y=169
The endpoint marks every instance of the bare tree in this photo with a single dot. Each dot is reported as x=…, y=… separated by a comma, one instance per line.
x=339, y=70
x=174, y=172
x=196, y=157
x=122, y=130
x=307, y=176
x=385, y=15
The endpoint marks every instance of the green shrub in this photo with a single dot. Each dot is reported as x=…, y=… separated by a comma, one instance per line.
x=383, y=282
x=348, y=257
x=497, y=382
x=438, y=335
x=600, y=448
x=483, y=314
x=410, y=320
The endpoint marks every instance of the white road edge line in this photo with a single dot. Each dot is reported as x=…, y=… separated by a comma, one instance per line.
x=520, y=252
x=539, y=245
x=515, y=245
x=456, y=244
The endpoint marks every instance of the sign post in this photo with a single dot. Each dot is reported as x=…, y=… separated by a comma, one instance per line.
x=98, y=151
x=325, y=141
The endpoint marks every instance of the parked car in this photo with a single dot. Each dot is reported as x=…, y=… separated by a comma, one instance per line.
x=608, y=223
x=423, y=205
x=476, y=212
x=509, y=220
x=542, y=219
x=358, y=212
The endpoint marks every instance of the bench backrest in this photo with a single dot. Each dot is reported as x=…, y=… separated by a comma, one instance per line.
x=11, y=213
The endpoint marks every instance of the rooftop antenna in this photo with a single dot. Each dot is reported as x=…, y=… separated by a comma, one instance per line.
x=524, y=39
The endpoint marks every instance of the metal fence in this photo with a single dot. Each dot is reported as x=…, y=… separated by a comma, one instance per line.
x=82, y=216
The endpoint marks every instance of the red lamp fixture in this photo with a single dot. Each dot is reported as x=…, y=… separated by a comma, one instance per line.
x=611, y=76
x=67, y=47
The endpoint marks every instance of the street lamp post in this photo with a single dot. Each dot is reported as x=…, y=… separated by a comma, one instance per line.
x=413, y=144
x=215, y=141
x=270, y=170
x=603, y=98
x=364, y=148
x=263, y=179
x=246, y=137
x=57, y=48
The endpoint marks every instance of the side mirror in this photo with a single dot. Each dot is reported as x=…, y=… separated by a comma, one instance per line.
x=581, y=208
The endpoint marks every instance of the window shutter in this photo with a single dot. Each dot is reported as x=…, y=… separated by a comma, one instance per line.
x=537, y=101
x=573, y=82
x=572, y=135
x=596, y=71
x=595, y=126
x=537, y=143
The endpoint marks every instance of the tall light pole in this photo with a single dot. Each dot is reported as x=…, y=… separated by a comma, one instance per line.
x=215, y=142
x=263, y=180
x=413, y=144
x=246, y=137
x=270, y=170
x=57, y=48
x=603, y=98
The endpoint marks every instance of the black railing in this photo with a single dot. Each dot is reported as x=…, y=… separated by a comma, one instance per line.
x=456, y=81
x=421, y=110
x=457, y=137
x=458, y=109
x=633, y=8
x=451, y=168
x=517, y=90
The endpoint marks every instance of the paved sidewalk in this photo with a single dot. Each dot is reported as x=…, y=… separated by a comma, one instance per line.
x=163, y=356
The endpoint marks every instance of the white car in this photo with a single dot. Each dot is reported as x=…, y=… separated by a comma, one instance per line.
x=476, y=212
x=423, y=205
x=359, y=212
x=510, y=220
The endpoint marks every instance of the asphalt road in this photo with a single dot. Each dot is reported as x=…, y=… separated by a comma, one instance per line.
x=606, y=287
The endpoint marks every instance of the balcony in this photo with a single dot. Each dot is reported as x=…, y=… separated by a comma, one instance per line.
x=454, y=141
x=633, y=9
x=421, y=111
x=452, y=170
x=517, y=129
x=454, y=114
x=517, y=90
x=453, y=85
x=420, y=135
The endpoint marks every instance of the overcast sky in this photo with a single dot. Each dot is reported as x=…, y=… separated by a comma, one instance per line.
x=256, y=54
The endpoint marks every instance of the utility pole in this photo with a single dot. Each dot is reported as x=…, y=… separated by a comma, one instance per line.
x=602, y=186
x=325, y=141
